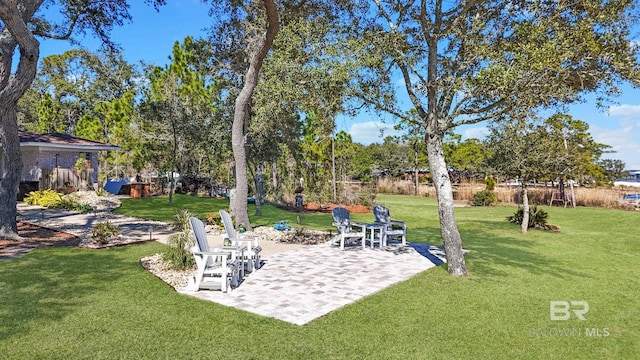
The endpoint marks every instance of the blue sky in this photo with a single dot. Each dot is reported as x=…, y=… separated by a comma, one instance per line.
x=151, y=35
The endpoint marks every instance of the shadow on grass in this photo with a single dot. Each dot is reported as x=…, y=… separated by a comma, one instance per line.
x=49, y=284
x=491, y=254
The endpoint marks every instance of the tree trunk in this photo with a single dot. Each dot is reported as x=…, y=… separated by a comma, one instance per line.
x=438, y=166
x=259, y=190
x=333, y=170
x=274, y=175
x=10, y=142
x=240, y=156
x=241, y=114
x=573, y=194
x=172, y=185
x=525, y=209
x=444, y=193
x=416, y=172
x=15, y=33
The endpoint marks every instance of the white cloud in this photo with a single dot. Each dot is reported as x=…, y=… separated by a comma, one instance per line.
x=624, y=138
x=624, y=111
x=624, y=141
x=371, y=131
x=477, y=132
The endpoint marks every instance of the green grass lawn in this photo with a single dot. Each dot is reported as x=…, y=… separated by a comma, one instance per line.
x=158, y=208
x=79, y=303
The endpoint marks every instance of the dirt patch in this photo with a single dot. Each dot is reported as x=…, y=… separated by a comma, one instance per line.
x=34, y=237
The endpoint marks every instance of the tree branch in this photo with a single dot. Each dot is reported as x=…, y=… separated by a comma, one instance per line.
x=65, y=36
x=382, y=107
x=412, y=95
x=15, y=24
x=474, y=120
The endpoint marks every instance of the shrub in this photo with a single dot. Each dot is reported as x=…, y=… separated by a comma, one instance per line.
x=54, y=200
x=101, y=192
x=537, y=219
x=181, y=220
x=178, y=254
x=82, y=208
x=46, y=198
x=214, y=219
x=367, y=197
x=104, y=231
x=491, y=183
x=71, y=203
x=299, y=230
x=483, y=198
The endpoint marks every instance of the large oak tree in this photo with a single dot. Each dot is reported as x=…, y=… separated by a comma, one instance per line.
x=242, y=38
x=463, y=62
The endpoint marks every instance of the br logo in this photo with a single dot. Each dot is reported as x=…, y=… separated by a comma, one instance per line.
x=561, y=310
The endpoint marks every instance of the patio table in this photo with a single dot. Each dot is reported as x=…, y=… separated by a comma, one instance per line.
x=237, y=252
x=248, y=247
x=371, y=229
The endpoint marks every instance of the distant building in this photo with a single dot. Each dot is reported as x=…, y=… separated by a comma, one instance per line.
x=633, y=179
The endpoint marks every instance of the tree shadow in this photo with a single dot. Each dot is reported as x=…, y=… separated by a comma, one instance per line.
x=490, y=254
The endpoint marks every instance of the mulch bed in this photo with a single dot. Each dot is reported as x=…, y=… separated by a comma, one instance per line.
x=35, y=237
x=326, y=208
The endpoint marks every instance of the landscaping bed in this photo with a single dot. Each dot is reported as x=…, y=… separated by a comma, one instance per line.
x=35, y=236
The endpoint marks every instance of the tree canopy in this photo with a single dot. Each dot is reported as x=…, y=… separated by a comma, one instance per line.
x=463, y=62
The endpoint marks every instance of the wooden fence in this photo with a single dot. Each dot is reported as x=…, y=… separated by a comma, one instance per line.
x=67, y=180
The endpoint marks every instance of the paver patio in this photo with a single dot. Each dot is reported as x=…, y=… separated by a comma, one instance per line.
x=302, y=285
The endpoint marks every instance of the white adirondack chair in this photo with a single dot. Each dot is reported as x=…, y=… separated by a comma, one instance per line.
x=347, y=230
x=215, y=268
x=392, y=229
x=252, y=253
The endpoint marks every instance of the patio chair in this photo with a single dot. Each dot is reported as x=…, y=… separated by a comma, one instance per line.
x=347, y=230
x=250, y=241
x=216, y=268
x=392, y=229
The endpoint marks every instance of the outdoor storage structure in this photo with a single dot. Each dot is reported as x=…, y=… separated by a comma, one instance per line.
x=139, y=190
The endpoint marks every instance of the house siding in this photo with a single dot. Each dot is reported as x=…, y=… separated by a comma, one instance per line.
x=36, y=160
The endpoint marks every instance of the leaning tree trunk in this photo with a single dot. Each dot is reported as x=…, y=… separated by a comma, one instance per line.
x=15, y=33
x=241, y=115
x=444, y=193
x=525, y=209
x=13, y=168
x=240, y=156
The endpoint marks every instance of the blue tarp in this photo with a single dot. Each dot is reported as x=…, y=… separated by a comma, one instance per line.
x=113, y=185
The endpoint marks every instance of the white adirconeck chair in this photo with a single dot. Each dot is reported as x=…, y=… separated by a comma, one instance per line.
x=217, y=269
x=391, y=229
x=250, y=241
x=348, y=231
